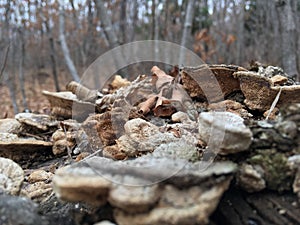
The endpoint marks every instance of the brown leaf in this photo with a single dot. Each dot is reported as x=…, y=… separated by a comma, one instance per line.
x=147, y=105
x=113, y=152
x=160, y=78
x=164, y=110
x=175, y=131
x=172, y=96
x=163, y=107
x=117, y=83
x=182, y=101
x=174, y=71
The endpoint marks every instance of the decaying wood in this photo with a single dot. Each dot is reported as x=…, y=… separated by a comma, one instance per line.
x=25, y=150
x=264, y=208
x=66, y=105
x=216, y=81
x=82, y=92
x=260, y=92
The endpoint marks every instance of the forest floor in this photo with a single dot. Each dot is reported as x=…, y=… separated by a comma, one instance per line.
x=35, y=83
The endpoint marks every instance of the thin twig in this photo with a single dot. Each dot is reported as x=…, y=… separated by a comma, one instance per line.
x=93, y=154
x=68, y=147
x=4, y=61
x=274, y=103
x=32, y=135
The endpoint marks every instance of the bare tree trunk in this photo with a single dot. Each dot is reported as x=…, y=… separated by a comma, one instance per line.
x=240, y=31
x=4, y=61
x=88, y=39
x=156, y=25
x=297, y=15
x=52, y=56
x=166, y=15
x=52, y=49
x=64, y=45
x=21, y=68
x=153, y=19
x=77, y=34
x=189, y=14
x=106, y=24
x=271, y=37
x=123, y=21
x=155, y=29
x=10, y=80
x=111, y=36
x=134, y=19
x=288, y=37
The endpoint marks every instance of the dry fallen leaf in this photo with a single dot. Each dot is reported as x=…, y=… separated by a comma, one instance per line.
x=160, y=78
x=147, y=105
x=170, y=97
x=117, y=83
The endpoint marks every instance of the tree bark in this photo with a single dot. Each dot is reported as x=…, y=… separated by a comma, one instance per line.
x=240, y=41
x=4, y=61
x=79, y=43
x=111, y=37
x=64, y=45
x=21, y=68
x=106, y=24
x=88, y=39
x=153, y=9
x=52, y=48
x=288, y=37
x=52, y=56
x=189, y=14
x=240, y=208
x=10, y=80
x=166, y=15
x=134, y=20
x=123, y=21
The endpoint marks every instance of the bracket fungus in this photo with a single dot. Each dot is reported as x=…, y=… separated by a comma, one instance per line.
x=228, y=128
x=190, y=195
x=66, y=105
x=259, y=88
x=9, y=126
x=37, y=122
x=211, y=78
x=11, y=176
x=294, y=163
x=21, y=149
x=261, y=91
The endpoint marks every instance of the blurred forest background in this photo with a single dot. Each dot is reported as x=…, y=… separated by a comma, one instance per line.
x=45, y=44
